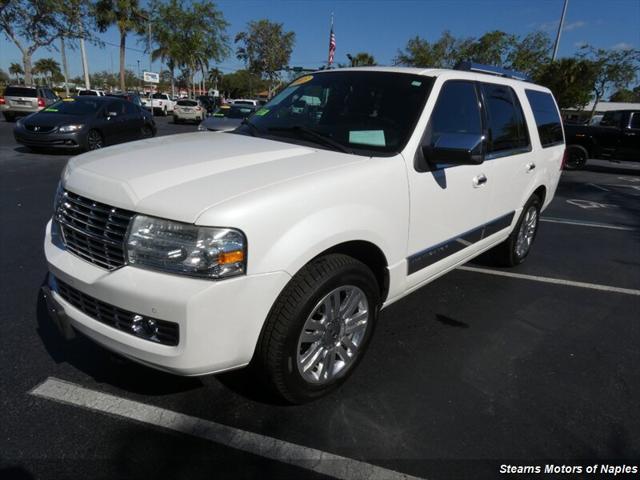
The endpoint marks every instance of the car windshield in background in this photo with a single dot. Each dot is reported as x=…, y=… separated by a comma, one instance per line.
x=20, y=92
x=160, y=96
x=187, y=103
x=232, y=111
x=74, y=106
x=361, y=112
x=88, y=93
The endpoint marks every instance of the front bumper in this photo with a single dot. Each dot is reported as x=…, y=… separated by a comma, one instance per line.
x=219, y=321
x=73, y=140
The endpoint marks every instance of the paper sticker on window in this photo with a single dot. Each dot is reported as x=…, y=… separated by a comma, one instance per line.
x=262, y=112
x=50, y=109
x=301, y=80
x=374, y=138
x=68, y=99
x=416, y=83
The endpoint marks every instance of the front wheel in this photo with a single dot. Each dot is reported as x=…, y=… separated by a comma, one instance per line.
x=319, y=328
x=147, y=132
x=94, y=140
x=515, y=249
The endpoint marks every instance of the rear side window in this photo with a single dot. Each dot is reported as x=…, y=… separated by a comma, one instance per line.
x=88, y=92
x=507, y=128
x=635, y=120
x=547, y=118
x=20, y=92
x=611, y=119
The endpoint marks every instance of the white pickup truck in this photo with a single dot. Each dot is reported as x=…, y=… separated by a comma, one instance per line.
x=278, y=243
x=161, y=103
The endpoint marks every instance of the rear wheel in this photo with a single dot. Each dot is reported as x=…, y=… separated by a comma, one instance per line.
x=319, y=328
x=515, y=249
x=94, y=140
x=147, y=132
x=577, y=157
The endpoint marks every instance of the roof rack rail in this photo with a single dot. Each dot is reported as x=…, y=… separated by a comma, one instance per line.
x=491, y=70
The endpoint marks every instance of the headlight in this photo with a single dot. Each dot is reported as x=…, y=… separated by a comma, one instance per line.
x=176, y=247
x=69, y=128
x=201, y=127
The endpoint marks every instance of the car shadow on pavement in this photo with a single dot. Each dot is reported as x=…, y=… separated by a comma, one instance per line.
x=45, y=151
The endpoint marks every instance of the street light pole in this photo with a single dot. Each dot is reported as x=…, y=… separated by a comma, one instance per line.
x=557, y=44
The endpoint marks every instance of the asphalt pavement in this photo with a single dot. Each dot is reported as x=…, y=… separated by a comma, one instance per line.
x=484, y=367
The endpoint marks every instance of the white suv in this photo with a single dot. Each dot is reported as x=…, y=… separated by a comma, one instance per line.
x=277, y=244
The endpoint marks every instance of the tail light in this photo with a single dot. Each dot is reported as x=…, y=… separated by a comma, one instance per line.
x=565, y=157
x=2, y=102
x=41, y=102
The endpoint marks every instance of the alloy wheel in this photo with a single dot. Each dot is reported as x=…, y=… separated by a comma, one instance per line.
x=527, y=231
x=332, y=335
x=94, y=140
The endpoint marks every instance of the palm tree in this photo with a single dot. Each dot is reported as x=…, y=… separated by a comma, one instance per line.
x=46, y=66
x=16, y=69
x=362, y=59
x=127, y=16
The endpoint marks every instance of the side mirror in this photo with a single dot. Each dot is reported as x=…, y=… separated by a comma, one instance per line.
x=456, y=149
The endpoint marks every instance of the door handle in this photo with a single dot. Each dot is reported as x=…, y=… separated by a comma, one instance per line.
x=530, y=166
x=479, y=180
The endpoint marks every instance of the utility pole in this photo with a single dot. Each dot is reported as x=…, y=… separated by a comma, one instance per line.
x=65, y=68
x=557, y=44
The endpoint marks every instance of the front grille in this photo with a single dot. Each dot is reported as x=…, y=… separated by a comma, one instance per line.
x=168, y=333
x=92, y=230
x=39, y=129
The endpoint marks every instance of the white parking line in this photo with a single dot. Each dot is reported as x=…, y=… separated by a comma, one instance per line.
x=555, y=281
x=308, y=458
x=585, y=223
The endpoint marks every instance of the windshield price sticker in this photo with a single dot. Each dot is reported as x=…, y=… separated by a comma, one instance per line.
x=262, y=112
x=367, y=137
x=68, y=99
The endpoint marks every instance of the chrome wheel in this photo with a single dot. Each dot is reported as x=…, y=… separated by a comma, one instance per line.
x=527, y=231
x=94, y=140
x=332, y=335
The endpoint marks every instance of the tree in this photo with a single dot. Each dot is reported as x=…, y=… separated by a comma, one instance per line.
x=241, y=84
x=266, y=49
x=420, y=52
x=361, y=59
x=530, y=53
x=49, y=68
x=626, y=95
x=615, y=69
x=126, y=15
x=16, y=69
x=570, y=79
x=32, y=24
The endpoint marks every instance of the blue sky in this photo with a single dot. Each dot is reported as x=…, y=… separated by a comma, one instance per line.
x=382, y=27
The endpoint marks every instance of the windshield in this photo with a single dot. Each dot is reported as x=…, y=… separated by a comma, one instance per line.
x=74, y=106
x=187, y=103
x=160, y=96
x=365, y=112
x=230, y=111
x=20, y=92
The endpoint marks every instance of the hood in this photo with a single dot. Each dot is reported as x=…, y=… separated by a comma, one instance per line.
x=54, y=119
x=180, y=176
x=221, y=123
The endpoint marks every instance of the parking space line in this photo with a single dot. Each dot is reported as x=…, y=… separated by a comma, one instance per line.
x=586, y=223
x=290, y=453
x=555, y=281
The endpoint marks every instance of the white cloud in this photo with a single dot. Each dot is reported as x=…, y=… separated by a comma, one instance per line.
x=622, y=46
x=573, y=25
x=553, y=25
x=580, y=44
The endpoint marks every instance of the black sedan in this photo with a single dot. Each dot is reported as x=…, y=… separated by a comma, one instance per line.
x=85, y=123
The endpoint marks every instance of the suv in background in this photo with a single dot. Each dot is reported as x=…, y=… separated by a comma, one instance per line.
x=20, y=100
x=278, y=244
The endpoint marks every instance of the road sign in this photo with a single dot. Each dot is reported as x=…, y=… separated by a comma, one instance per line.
x=151, y=77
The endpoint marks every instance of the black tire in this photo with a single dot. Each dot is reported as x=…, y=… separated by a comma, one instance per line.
x=95, y=140
x=577, y=157
x=276, y=359
x=9, y=117
x=507, y=254
x=147, y=132
x=176, y=120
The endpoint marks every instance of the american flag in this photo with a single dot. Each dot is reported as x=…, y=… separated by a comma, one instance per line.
x=332, y=44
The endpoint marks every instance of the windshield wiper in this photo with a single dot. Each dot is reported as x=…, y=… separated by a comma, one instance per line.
x=318, y=137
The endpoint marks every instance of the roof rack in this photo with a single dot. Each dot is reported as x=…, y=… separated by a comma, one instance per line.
x=491, y=70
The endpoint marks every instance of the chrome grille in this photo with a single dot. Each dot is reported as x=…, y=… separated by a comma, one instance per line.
x=39, y=128
x=167, y=334
x=92, y=230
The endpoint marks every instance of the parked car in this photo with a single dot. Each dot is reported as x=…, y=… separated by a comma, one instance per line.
x=91, y=92
x=616, y=137
x=129, y=96
x=277, y=244
x=162, y=103
x=20, y=100
x=84, y=123
x=245, y=101
x=226, y=117
x=189, y=111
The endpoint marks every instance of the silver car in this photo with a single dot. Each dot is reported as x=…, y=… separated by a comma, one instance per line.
x=21, y=100
x=188, y=111
x=226, y=117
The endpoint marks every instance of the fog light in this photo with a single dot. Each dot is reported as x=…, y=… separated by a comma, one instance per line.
x=144, y=327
